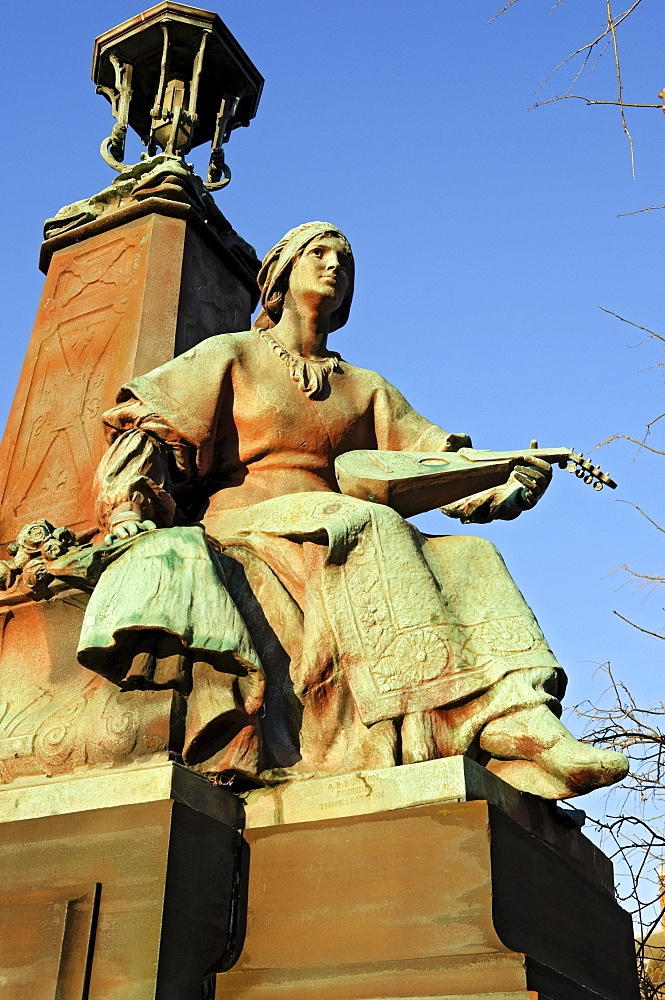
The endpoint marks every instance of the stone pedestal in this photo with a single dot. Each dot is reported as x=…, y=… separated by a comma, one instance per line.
x=434, y=880
x=475, y=891
x=120, y=885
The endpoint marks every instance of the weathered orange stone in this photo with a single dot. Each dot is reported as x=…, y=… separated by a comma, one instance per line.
x=450, y=900
x=115, y=305
x=138, y=288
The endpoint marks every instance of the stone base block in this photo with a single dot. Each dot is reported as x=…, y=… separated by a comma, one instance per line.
x=137, y=884
x=496, y=897
x=103, y=897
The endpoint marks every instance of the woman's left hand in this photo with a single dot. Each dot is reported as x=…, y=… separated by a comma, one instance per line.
x=534, y=475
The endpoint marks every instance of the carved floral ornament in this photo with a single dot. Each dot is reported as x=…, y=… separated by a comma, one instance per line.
x=26, y=574
x=36, y=542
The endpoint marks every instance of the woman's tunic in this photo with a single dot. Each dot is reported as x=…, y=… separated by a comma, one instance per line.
x=379, y=646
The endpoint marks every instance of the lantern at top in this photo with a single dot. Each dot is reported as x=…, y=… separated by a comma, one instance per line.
x=179, y=78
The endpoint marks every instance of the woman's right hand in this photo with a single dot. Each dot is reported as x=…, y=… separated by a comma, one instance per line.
x=127, y=529
x=457, y=441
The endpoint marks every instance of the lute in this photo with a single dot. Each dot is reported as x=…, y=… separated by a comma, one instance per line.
x=413, y=482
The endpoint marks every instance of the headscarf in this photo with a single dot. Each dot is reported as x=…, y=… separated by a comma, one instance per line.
x=273, y=278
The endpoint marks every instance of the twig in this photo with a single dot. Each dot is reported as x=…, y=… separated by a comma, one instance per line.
x=617, y=64
x=600, y=55
x=651, y=208
x=586, y=50
x=590, y=45
x=642, y=512
x=639, y=627
x=580, y=97
x=641, y=576
x=629, y=321
x=641, y=444
x=502, y=11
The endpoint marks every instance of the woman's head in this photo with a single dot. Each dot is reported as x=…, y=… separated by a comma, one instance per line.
x=278, y=263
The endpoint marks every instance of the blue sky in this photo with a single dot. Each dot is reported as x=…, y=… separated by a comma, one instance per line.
x=485, y=240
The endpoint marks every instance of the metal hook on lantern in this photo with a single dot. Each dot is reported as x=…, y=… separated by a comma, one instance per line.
x=113, y=149
x=219, y=173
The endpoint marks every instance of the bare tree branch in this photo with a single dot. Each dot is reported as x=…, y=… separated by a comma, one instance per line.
x=626, y=437
x=590, y=45
x=617, y=65
x=651, y=208
x=580, y=97
x=633, y=832
x=641, y=576
x=502, y=11
x=610, y=33
x=629, y=321
x=599, y=56
x=638, y=627
x=630, y=504
x=651, y=334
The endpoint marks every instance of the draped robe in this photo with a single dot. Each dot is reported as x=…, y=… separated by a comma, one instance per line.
x=326, y=633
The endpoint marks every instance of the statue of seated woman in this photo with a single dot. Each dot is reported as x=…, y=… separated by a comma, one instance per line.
x=312, y=632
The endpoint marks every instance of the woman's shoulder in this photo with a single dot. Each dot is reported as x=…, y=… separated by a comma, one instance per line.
x=222, y=344
x=368, y=378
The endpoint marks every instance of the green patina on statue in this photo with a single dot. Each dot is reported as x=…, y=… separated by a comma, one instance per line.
x=311, y=631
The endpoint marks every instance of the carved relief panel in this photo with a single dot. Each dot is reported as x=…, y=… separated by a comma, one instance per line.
x=82, y=346
x=114, y=306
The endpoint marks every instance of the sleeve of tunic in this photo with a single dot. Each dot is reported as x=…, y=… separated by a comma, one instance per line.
x=400, y=428
x=136, y=475
x=162, y=434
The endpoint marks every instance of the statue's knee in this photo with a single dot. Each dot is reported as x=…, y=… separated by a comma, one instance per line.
x=470, y=547
x=387, y=517
x=480, y=547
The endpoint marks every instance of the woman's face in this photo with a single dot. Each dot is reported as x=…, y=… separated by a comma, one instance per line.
x=322, y=273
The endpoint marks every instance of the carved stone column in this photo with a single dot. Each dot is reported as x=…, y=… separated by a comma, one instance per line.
x=127, y=288
x=123, y=294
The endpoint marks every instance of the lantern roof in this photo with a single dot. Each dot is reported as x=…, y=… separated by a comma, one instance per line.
x=139, y=42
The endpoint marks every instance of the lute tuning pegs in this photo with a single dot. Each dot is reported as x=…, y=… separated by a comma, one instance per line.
x=592, y=475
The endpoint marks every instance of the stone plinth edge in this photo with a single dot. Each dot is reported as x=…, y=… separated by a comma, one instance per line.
x=98, y=788
x=307, y=800
x=149, y=206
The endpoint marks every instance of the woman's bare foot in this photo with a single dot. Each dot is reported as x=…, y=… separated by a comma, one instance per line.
x=535, y=752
